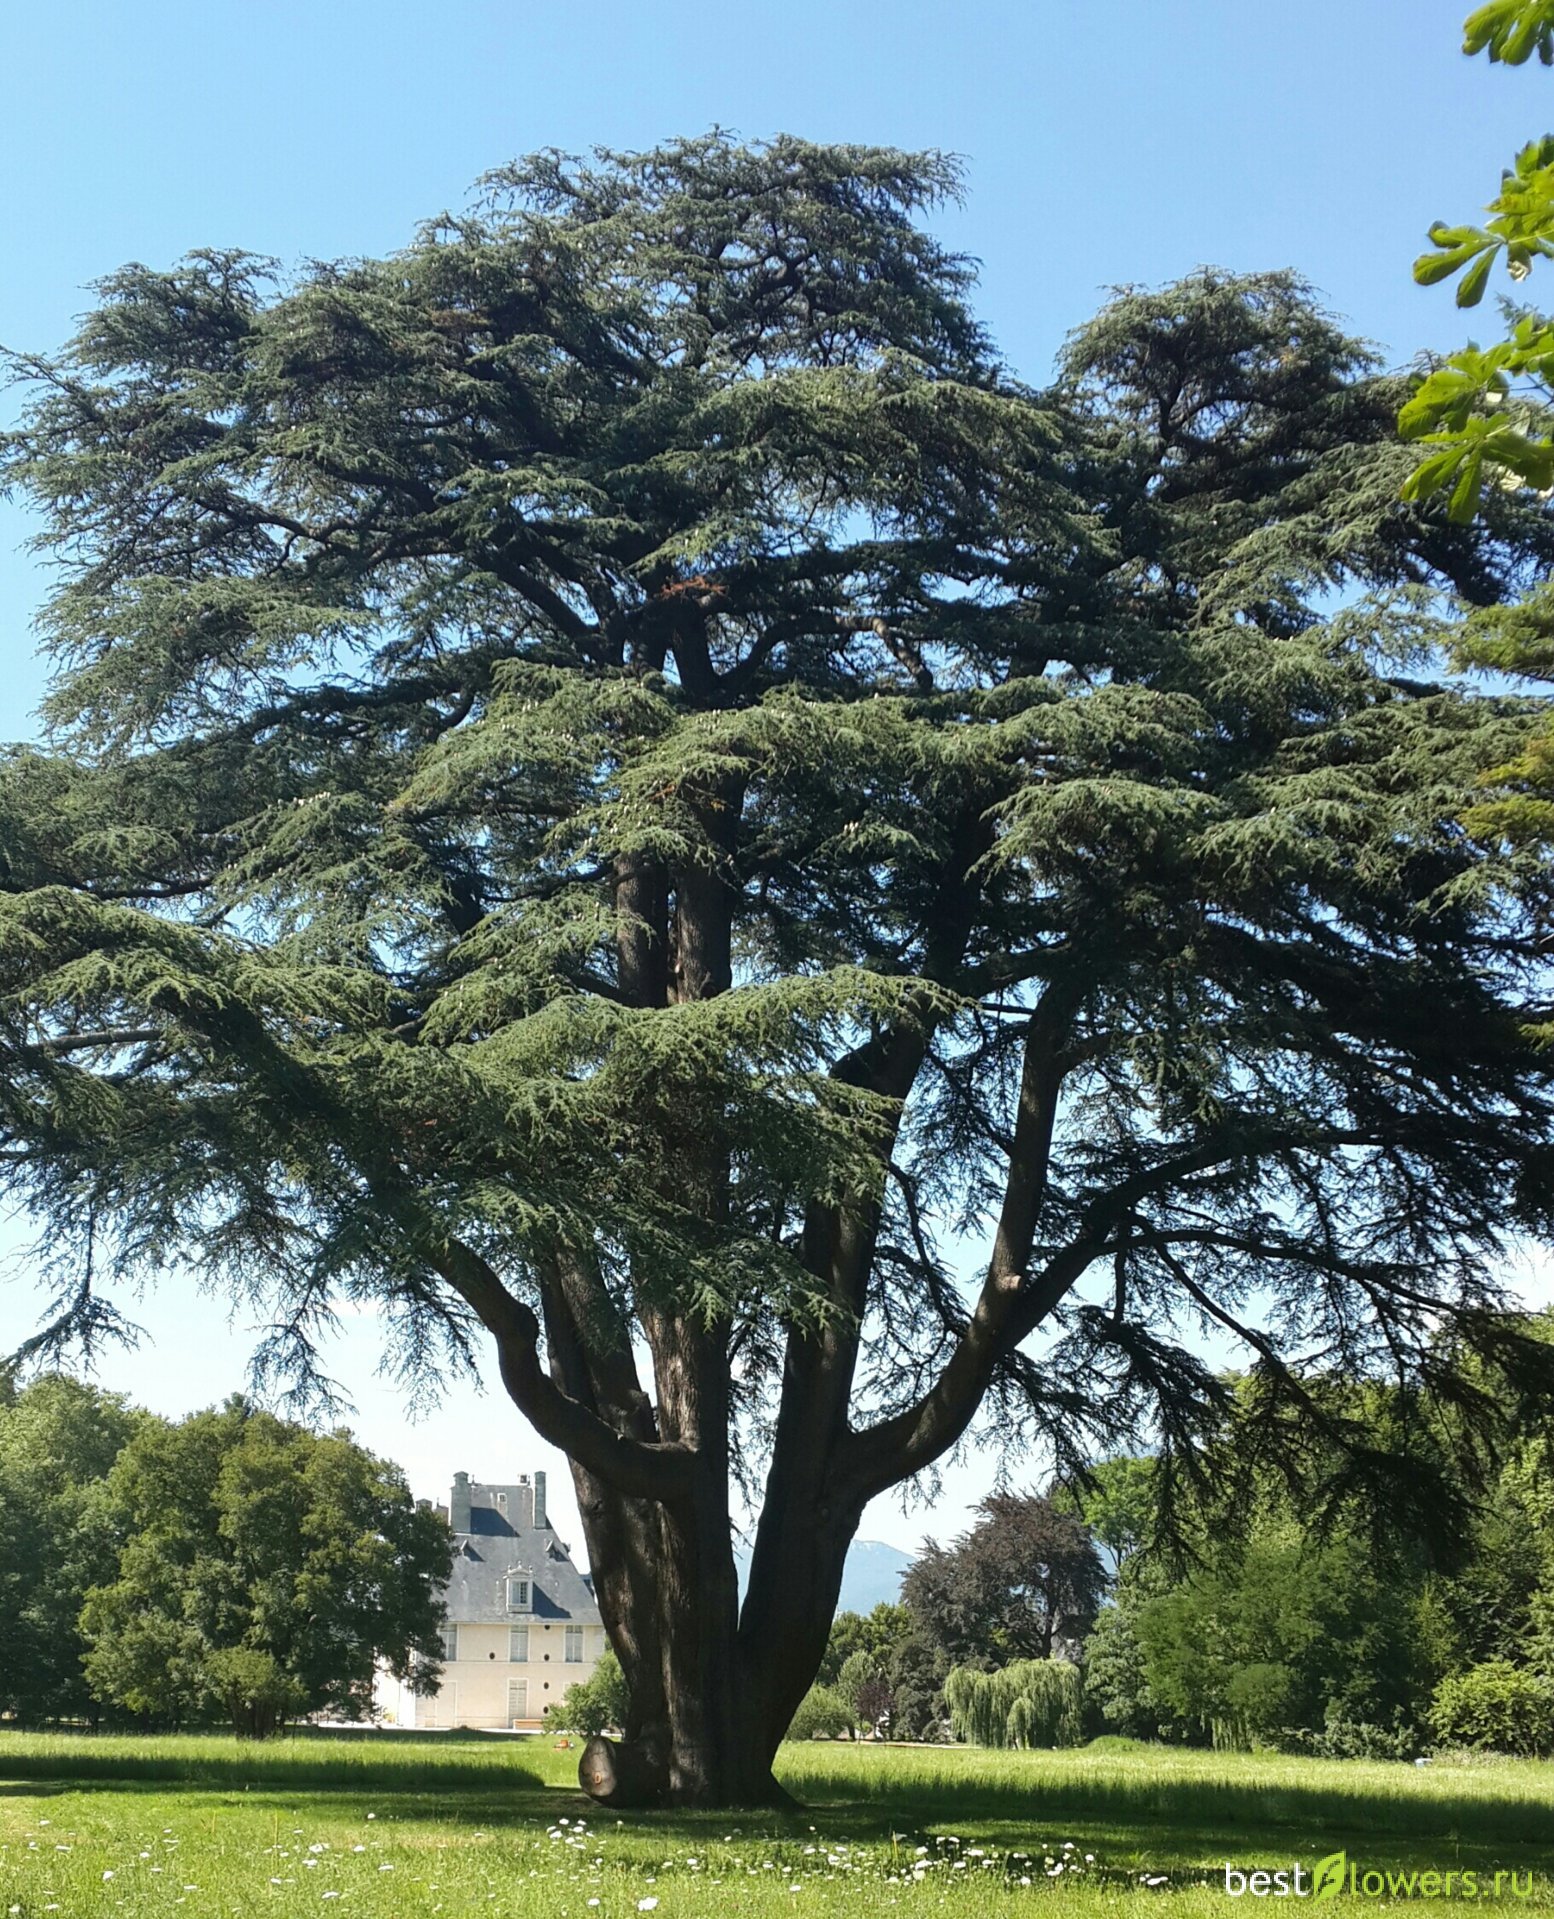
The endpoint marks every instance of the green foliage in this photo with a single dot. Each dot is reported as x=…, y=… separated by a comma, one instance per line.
x=263, y=1572
x=823, y=1713
x=1030, y=1702
x=612, y=775
x=1024, y=1580
x=859, y=1669
x=1481, y=414
x=1523, y=229
x=864, y=1688
x=1352, y=1739
x=1510, y=30
x=915, y=1673
x=877, y=1634
x=1116, y=1674
x=1496, y=1706
x=1287, y=1625
x=1321, y=1621
x=897, y=1669
x=1285, y=1630
x=1118, y=1499
x=58, y=1440
x=255, y=1690
x=598, y=1703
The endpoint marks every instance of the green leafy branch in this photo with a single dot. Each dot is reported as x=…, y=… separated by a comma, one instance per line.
x=1511, y=30
x=1459, y=412
x=1522, y=228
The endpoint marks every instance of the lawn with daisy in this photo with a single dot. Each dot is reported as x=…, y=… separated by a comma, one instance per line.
x=399, y=1825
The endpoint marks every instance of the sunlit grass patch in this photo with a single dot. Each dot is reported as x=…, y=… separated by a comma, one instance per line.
x=391, y=1824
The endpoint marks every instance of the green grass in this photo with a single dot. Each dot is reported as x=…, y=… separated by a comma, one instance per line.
x=420, y=1824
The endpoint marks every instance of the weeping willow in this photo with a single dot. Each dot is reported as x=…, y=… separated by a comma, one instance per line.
x=1032, y=1702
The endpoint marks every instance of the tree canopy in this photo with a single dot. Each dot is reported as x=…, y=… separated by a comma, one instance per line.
x=1351, y=1626
x=1023, y=1583
x=617, y=781
x=58, y=1441
x=262, y=1571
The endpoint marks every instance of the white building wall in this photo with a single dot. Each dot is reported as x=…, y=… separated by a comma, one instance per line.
x=483, y=1687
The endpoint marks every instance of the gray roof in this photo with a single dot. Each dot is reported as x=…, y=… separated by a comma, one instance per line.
x=484, y=1556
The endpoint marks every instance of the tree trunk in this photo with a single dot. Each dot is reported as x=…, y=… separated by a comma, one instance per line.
x=699, y=1730
x=712, y=1690
x=710, y=1707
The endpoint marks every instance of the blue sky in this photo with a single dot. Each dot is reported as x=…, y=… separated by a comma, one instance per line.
x=1129, y=142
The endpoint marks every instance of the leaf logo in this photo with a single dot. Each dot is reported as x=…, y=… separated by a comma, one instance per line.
x=1329, y=1875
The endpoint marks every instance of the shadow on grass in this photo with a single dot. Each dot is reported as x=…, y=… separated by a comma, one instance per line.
x=417, y=1765
x=1197, y=1813
x=1143, y=1815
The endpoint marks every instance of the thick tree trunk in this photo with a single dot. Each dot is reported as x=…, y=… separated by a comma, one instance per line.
x=795, y=1581
x=701, y=1730
x=712, y=1692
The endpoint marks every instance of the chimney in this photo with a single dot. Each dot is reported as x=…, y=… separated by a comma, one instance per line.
x=540, y=1520
x=458, y=1503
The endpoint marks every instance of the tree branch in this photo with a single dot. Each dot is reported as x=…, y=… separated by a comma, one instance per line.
x=897, y=1447
x=647, y=1469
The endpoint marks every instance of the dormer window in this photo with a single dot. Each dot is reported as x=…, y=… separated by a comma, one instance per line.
x=520, y=1593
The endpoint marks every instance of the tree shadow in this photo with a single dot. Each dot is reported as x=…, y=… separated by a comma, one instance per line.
x=1154, y=1817
x=419, y=1765
x=1144, y=1817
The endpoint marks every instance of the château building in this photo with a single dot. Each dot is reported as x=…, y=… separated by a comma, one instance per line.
x=523, y=1624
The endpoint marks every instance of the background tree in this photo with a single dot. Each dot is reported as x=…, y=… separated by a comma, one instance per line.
x=916, y=1671
x=58, y=1440
x=1116, y=1677
x=1334, y=1624
x=876, y=1633
x=598, y=1703
x=614, y=778
x=863, y=1686
x=902, y=1659
x=1285, y=1631
x=1029, y=1702
x=1021, y=1584
x=264, y=1572
x=1119, y=1501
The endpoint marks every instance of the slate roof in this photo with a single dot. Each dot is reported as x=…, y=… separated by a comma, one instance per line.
x=493, y=1548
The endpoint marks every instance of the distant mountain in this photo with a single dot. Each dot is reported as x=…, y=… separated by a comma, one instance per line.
x=871, y=1577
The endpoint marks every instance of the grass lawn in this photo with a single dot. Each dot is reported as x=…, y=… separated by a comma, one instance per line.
x=391, y=1824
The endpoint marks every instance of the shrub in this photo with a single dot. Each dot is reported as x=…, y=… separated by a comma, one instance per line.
x=257, y=1692
x=1350, y=1739
x=597, y=1703
x=1495, y=1707
x=823, y=1714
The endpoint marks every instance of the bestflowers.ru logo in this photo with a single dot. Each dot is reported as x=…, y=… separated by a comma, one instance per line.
x=1339, y=1875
